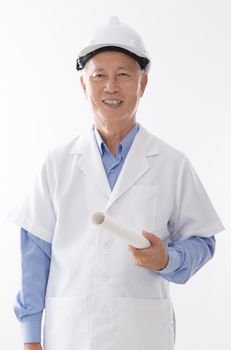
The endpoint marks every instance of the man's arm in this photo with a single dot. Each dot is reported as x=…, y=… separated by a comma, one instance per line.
x=29, y=303
x=179, y=260
x=33, y=346
x=187, y=257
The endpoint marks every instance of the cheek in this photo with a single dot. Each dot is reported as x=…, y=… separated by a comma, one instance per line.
x=135, y=96
x=93, y=93
x=93, y=98
x=88, y=93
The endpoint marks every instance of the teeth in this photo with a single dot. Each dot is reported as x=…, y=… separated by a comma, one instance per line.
x=113, y=102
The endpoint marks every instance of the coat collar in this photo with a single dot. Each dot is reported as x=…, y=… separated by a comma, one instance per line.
x=135, y=165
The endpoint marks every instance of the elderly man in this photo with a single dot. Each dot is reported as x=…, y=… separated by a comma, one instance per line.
x=98, y=292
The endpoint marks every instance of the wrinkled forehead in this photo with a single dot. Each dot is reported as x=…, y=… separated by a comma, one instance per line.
x=111, y=60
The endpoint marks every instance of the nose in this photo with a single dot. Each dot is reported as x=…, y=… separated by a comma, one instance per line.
x=111, y=85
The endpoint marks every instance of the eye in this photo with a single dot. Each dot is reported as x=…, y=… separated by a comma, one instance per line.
x=98, y=76
x=123, y=74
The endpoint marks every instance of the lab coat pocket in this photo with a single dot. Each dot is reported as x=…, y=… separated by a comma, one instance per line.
x=144, y=324
x=143, y=208
x=66, y=323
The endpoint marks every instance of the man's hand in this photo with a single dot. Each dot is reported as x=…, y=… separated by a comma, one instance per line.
x=155, y=257
x=33, y=346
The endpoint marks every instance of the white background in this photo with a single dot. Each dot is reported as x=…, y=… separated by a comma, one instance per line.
x=187, y=103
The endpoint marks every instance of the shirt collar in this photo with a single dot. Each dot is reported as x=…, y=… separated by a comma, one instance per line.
x=124, y=145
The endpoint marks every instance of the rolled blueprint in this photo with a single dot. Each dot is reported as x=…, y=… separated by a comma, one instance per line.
x=111, y=225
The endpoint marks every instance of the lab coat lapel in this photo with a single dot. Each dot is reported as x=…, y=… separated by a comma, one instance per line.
x=90, y=161
x=135, y=166
x=136, y=163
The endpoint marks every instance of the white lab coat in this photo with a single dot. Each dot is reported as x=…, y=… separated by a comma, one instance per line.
x=96, y=298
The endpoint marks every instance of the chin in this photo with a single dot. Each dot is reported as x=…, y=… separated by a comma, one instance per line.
x=112, y=116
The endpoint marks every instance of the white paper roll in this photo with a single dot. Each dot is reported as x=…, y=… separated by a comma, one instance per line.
x=114, y=227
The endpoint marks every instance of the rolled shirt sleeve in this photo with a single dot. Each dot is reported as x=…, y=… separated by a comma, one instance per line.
x=186, y=257
x=29, y=302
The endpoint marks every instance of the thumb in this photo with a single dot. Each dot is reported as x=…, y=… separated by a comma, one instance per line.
x=150, y=236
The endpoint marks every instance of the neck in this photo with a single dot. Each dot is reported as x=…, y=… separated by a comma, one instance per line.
x=112, y=135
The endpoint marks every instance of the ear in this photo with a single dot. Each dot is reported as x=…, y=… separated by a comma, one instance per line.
x=83, y=84
x=143, y=83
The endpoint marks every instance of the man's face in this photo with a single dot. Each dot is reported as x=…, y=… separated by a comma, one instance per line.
x=113, y=83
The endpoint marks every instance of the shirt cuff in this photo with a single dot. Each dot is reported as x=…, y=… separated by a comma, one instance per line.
x=31, y=331
x=174, y=262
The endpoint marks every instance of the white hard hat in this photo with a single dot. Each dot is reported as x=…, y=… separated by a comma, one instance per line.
x=115, y=36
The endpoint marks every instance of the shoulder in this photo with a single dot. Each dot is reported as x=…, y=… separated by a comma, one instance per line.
x=166, y=152
x=64, y=152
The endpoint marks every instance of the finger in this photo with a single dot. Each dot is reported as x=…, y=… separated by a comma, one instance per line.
x=132, y=249
x=151, y=237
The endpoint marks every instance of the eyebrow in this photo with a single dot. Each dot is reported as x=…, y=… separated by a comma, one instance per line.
x=98, y=70
x=122, y=67
x=102, y=69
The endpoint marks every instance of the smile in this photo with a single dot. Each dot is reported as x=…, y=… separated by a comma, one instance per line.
x=113, y=103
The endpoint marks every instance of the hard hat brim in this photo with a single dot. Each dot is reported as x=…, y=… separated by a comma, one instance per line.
x=81, y=61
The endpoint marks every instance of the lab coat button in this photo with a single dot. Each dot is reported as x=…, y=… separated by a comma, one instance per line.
x=105, y=309
x=107, y=244
x=105, y=277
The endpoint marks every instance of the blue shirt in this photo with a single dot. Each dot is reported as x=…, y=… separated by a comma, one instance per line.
x=185, y=257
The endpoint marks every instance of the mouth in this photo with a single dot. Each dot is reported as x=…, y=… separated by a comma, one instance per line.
x=112, y=103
